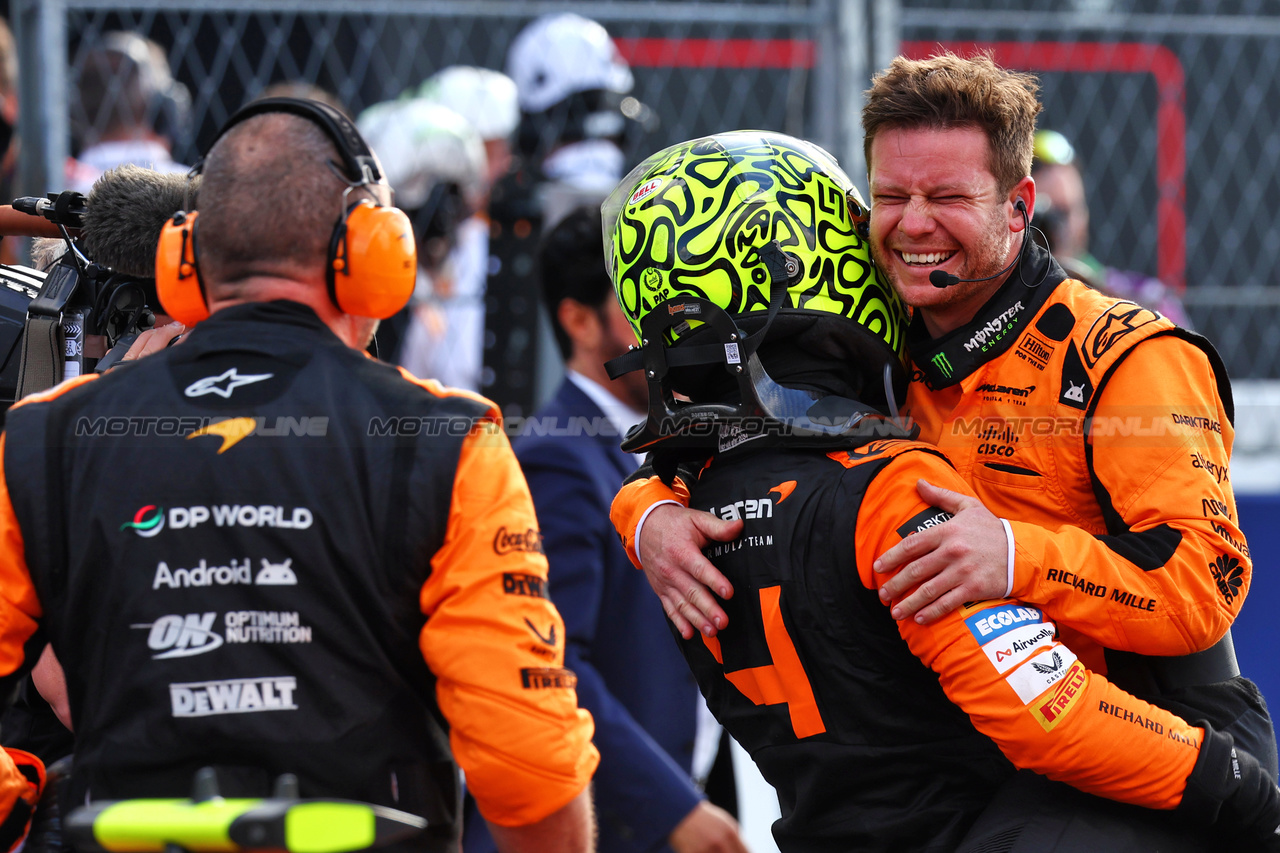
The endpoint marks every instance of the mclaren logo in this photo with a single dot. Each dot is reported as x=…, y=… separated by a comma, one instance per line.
x=784, y=490
x=231, y=431
x=750, y=509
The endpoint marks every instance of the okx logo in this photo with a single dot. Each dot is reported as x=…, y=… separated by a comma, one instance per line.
x=943, y=364
x=147, y=522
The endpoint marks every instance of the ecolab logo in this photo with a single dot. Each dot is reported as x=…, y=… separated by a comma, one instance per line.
x=151, y=519
x=234, y=696
x=992, y=623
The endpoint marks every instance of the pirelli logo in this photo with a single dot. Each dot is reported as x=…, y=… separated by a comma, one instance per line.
x=1055, y=704
x=542, y=678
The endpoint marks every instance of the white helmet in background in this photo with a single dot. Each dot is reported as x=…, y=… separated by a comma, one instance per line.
x=484, y=97
x=559, y=55
x=423, y=144
x=572, y=84
x=434, y=160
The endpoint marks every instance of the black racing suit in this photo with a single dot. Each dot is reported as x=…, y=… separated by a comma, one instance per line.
x=255, y=551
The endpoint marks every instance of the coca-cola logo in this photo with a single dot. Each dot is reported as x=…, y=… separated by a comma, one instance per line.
x=507, y=542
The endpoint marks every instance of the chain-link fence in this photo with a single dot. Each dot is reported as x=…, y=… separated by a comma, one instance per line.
x=1165, y=100
x=701, y=67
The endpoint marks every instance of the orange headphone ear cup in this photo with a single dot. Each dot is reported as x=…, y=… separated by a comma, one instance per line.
x=177, y=273
x=373, y=261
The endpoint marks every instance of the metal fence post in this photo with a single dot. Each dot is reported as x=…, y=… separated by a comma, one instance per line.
x=40, y=30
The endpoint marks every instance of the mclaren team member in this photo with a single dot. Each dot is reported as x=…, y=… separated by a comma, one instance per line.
x=330, y=568
x=1057, y=405
x=785, y=338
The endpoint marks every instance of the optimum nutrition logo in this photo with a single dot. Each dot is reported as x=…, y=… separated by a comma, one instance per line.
x=147, y=522
x=943, y=364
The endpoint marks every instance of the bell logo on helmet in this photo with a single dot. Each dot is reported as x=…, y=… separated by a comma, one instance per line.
x=644, y=191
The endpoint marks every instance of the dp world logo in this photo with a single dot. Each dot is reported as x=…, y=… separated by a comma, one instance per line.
x=147, y=522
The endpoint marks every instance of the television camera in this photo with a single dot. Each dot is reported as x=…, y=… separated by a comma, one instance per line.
x=74, y=317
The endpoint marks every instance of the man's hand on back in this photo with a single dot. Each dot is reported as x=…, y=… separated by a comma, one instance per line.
x=963, y=559
x=670, y=550
x=707, y=829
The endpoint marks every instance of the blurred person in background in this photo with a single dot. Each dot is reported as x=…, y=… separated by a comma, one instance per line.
x=8, y=130
x=127, y=109
x=577, y=121
x=1062, y=211
x=487, y=100
x=305, y=89
x=631, y=677
x=435, y=162
x=577, y=117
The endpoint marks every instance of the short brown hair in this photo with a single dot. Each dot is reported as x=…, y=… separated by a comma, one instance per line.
x=948, y=91
x=268, y=201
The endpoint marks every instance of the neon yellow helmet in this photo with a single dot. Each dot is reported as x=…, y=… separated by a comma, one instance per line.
x=691, y=220
x=768, y=229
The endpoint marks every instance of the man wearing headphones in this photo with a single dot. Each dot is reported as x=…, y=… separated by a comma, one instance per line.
x=333, y=570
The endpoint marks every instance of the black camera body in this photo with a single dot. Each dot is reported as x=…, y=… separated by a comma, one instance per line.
x=77, y=317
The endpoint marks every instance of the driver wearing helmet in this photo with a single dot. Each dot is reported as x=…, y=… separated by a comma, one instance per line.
x=772, y=345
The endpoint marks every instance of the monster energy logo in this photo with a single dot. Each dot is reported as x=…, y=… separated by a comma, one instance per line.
x=943, y=364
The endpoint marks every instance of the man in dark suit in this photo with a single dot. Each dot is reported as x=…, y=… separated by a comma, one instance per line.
x=631, y=675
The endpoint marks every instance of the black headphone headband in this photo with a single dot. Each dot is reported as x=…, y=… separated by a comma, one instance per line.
x=358, y=161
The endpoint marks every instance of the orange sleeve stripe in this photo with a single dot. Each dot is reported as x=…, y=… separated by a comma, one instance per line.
x=515, y=726
x=56, y=391
x=633, y=500
x=1019, y=684
x=19, y=607
x=1173, y=474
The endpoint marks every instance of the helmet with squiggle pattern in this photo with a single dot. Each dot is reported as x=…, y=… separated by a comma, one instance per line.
x=691, y=221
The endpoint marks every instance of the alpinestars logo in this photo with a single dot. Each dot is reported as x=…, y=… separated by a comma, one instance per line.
x=223, y=384
x=147, y=522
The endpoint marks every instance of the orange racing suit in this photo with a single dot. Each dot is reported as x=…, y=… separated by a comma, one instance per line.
x=813, y=678
x=1118, y=558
